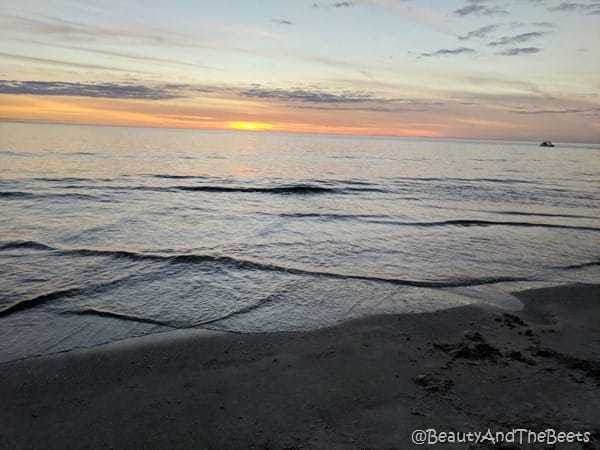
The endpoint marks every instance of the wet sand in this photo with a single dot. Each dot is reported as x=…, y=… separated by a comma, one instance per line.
x=363, y=384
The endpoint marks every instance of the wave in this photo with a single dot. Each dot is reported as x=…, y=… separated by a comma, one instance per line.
x=227, y=261
x=582, y=265
x=332, y=216
x=401, y=180
x=291, y=189
x=61, y=293
x=115, y=315
x=301, y=189
x=11, y=153
x=16, y=194
x=72, y=179
x=521, y=213
x=372, y=218
x=487, y=223
x=25, y=244
x=177, y=177
x=245, y=309
x=38, y=300
x=172, y=324
x=24, y=195
x=232, y=263
x=246, y=264
x=394, y=180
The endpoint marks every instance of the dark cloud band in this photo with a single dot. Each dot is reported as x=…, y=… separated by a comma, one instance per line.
x=98, y=90
x=314, y=96
x=524, y=37
x=519, y=51
x=445, y=51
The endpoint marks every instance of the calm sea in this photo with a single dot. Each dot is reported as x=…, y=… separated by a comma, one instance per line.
x=107, y=233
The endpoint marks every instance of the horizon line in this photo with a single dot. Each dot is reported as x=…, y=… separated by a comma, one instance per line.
x=270, y=131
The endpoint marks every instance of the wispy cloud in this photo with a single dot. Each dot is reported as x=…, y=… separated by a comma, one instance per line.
x=313, y=95
x=283, y=21
x=479, y=32
x=324, y=99
x=444, y=51
x=83, y=32
x=476, y=7
x=587, y=111
x=95, y=90
x=585, y=8
x=58, y=62
x=519, y=51
x=343, y=4
x=119, y=54
x=533, y=24
x=545, y=24
x=87, y=32
x=331, y=100
x=518, y=39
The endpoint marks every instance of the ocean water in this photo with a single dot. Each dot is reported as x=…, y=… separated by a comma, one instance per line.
x=107, y=233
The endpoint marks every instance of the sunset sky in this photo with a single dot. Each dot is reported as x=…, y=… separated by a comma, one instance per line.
x=493, y=69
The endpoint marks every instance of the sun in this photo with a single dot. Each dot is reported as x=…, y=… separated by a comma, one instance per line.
x=250, y=126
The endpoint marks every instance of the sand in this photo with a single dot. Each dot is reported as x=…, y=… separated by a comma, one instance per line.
x=367, y=383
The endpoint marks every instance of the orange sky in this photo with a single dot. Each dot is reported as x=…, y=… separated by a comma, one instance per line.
x=253, y=116
x=456, y=68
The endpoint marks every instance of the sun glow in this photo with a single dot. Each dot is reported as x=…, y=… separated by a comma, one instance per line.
x=250, y=126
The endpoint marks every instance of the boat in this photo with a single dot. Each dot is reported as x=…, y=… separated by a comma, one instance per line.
x=547, y=144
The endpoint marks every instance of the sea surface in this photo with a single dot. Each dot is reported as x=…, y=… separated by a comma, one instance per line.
x=110, y=232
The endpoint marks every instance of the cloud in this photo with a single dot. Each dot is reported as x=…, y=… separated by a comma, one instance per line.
x=317, y=98
x=33, y=59
x=585, y=8
x=75, y=31
x=373, y=104
x=341, y=4
x=524, y=37
x=314, y=95
x=282, y=21
x=456, y=51
x=91, y=32
x=118, y=54
x=533, y=24
x=475, y=7
x=479, y=32
x=545, y=24
x=586, y=111
x=519, y=51
x=95, y=90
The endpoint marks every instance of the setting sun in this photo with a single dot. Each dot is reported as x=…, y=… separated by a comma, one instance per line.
x=250, y=126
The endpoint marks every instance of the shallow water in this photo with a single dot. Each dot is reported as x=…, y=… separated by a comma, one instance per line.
x=113, y=232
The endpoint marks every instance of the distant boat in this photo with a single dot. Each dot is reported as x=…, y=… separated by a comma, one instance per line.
x=547, y=144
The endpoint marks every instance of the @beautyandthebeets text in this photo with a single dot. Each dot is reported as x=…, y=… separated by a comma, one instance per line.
x=519, y=436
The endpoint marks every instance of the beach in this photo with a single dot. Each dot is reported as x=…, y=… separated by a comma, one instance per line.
x=115, y=232
x=366, y=383
x=300, y=225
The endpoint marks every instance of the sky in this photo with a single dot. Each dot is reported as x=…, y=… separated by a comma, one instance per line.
x=482, y=69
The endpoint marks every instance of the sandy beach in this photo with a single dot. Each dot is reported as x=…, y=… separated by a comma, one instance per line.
x=363, y=384
x=300, y=224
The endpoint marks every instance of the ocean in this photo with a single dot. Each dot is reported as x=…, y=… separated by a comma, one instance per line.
x=113, y=232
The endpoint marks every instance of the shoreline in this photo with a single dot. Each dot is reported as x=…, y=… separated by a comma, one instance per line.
x=108, y=329
x=366, y=382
